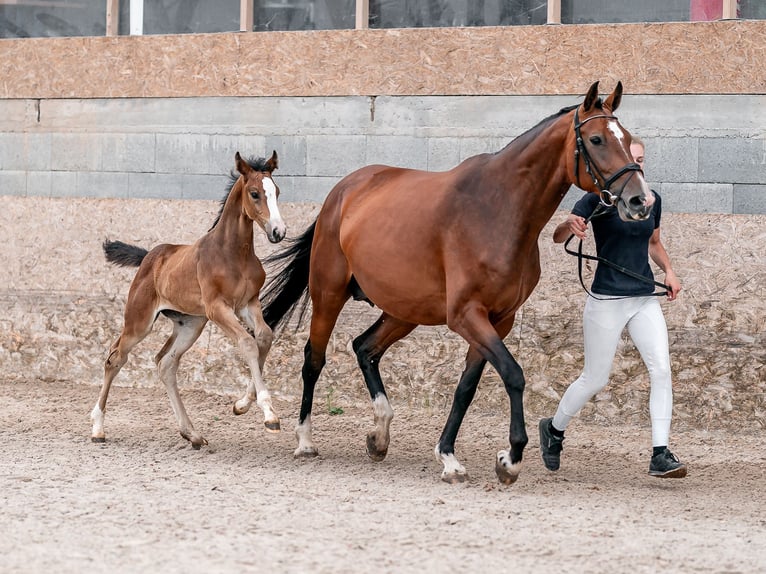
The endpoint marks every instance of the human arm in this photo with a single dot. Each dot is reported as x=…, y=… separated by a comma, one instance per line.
x=573, y=224
x=660, y=256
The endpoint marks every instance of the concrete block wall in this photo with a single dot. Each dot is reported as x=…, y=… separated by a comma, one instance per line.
x=705, y=153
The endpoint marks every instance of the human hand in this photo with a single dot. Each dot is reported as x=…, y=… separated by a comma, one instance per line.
x=577, y=225
x=673, y=283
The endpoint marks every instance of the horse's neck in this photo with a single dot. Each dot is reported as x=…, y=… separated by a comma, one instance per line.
x=542, y=159
x=234, y=228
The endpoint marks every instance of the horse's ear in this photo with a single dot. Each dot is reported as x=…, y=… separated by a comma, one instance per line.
x=242, y=166
x=272, y=164
x=613, y=101
x=591, y=97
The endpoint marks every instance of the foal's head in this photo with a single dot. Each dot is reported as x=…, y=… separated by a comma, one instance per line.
x=259, y=196
x=603, y=162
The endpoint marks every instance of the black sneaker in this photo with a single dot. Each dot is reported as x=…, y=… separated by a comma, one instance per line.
x=550, y=445
x=667, y=465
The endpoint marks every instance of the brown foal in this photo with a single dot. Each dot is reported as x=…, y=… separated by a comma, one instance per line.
x=216, y=279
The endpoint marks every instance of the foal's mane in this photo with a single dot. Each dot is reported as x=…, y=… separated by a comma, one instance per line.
x=257, y=163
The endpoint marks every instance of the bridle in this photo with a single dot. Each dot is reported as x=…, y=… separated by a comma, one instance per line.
x=607, y=197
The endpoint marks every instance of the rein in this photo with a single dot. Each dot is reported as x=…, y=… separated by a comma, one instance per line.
x=624, y=270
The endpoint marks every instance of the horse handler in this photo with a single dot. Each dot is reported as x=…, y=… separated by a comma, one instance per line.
x=618, y=300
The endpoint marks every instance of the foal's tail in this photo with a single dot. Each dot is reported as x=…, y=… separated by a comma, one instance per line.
x=288, y=289
x=123, y=254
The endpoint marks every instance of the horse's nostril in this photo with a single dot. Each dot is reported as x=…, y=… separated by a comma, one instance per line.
x=636, y=201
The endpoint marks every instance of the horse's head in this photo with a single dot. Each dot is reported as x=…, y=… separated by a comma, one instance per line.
x=259, y=197
x=603, y=163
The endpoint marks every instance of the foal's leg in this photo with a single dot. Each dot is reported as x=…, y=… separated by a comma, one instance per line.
x=473, y=325
x=369, y=348
x=466, y=389
x=223, y=316
x=139, y=318
x=263, y=336
x=186, y=330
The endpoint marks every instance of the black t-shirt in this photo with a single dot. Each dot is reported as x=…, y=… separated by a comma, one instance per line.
x=625, y=243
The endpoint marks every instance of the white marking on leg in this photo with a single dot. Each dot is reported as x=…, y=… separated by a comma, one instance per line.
x=512, y=470
x=379, y=439
x=453, y=470
x=97, y=416
x=305, y=445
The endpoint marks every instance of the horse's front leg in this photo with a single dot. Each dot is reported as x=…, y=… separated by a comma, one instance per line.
x=250, y=349
x=263, y=337
x=454, y=472
x=474, y=325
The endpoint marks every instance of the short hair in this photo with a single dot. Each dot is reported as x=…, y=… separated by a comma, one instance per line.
x=638, y=141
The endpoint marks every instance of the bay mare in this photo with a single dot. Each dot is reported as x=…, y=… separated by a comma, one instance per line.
x=218, y=279
x=456, y=248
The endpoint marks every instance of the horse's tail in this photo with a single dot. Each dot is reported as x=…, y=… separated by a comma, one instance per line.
x=123, y=254
x=288, y=289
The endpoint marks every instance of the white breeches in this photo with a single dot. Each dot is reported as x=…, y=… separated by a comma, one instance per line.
x=603, y=323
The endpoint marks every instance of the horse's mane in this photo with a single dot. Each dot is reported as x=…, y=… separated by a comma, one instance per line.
x=532, y=132
x=257, y=163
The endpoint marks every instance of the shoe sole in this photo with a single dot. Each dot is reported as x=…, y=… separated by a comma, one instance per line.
x=679, y=472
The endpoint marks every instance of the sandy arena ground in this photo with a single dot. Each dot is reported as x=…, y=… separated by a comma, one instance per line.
x=145, y=501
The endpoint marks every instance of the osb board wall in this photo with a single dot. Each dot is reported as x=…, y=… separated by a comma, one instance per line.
x=665, y=58
x=62, y=308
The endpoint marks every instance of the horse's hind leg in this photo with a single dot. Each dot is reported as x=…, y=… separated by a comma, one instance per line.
x=263, y=338
x=466, y=389
x=369, y=348
x=137, y=327
x=186, y=330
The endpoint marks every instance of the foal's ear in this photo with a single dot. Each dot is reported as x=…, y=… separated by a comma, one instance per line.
x=613, y=101
x=272, y=163
x=591, y=97
x=242, y=166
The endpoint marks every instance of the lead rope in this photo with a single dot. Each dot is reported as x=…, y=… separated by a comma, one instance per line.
x=580, y=256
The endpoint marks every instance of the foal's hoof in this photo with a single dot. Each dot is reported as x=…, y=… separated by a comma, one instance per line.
x=306, y=452
x=454, y=477
x=272, y=426
x=195, y=439
x=506, y=471
x=98, y=439
x=240, y=410
x=375, y=453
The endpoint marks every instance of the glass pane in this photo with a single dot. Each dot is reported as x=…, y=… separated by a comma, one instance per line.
x=304, y=14
x=429, y=13
x=52, y=19
x=608, y=11
x=184, y=16
x=752, y=9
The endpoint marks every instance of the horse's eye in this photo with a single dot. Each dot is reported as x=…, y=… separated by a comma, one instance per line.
x=255, y=195
x=596, y=140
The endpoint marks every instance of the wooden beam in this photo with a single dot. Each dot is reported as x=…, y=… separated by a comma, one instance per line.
x=112, y=17
x=729, y=9
x=362, y=14
x=554, y=11
x=245, y=15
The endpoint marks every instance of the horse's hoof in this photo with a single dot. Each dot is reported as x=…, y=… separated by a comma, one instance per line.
x=506, y=471
x=272, y=426
x=240, y=411
x=373, y=451
x=309, y=452
x=454, y=477
x=98, y=439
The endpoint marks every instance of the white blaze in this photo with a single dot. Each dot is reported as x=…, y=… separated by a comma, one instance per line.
x=275, y=219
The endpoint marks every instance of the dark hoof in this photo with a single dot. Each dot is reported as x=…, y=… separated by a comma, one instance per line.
x=373, y=452
x=196, y=446
x=98, y=439
x=272, y=426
